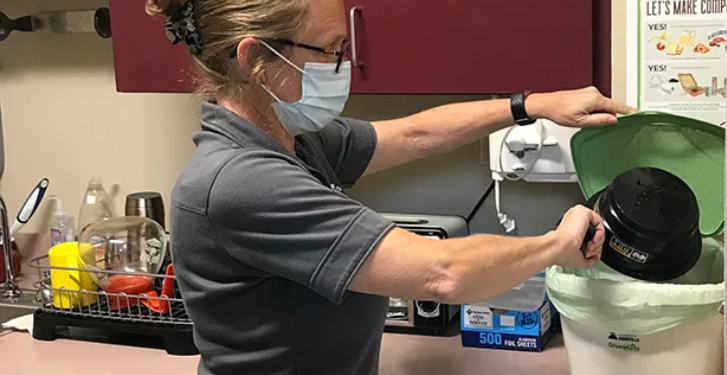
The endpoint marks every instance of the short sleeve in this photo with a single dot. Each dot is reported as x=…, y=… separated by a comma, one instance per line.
x=271, y=214
x=349, y=145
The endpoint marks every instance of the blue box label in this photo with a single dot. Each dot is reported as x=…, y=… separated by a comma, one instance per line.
x=484, y=327
x=500, y=341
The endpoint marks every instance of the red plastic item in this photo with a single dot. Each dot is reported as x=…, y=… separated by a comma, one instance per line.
x=132, y=285
x=15, y=256
x=158, y=303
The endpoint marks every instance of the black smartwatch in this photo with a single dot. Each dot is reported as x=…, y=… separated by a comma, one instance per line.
x=517, y=107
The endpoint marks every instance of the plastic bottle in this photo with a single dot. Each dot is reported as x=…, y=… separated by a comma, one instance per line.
x=96, y=206
x=61, y=229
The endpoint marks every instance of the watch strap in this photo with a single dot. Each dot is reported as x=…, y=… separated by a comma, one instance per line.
x=517, y=107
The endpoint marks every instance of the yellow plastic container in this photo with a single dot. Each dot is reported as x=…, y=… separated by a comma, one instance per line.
x=71, y=288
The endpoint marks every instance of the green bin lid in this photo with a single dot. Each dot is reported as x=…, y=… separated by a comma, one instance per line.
x=691, y=149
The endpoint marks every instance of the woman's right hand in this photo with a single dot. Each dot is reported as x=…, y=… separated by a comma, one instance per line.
x=570, y=234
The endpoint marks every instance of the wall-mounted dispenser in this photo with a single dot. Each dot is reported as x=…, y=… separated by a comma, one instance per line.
x=535, y=153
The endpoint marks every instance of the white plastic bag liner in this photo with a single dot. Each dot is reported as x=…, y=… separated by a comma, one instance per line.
x=605, y=299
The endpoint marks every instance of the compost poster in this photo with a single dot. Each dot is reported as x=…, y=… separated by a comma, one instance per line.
x=682, y=58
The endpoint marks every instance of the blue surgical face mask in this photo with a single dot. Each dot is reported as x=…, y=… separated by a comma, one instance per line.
x=325, y=94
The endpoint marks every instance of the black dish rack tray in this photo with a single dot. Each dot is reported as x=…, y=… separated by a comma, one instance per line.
x=114, y=318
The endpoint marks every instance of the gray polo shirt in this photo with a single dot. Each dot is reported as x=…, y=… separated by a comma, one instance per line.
x=265, y=245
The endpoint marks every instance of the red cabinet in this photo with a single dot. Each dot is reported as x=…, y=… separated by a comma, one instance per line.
x=144, y=59
x=472, y=46
x=414, y=47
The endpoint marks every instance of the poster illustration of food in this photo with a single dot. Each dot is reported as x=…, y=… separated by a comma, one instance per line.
x=682, y=58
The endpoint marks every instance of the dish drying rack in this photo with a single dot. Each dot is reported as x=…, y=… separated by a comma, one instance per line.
x=149, y=319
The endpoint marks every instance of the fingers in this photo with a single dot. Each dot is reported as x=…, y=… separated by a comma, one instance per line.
x=600, y=236
x=605, y=111
x=600, y=119
x=613, y=107
x=575, y=222
x=595, y=219
x=594, y=249
x=588, y=261
x=591, y=262
x=595, y=245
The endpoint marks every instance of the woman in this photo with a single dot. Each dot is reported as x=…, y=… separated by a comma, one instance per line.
x=281, y=272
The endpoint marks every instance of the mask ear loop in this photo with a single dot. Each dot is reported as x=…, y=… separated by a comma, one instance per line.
x=280, y=55
x=266, y=88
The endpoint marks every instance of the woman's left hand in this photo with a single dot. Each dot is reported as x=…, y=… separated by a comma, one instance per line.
x=577, y=108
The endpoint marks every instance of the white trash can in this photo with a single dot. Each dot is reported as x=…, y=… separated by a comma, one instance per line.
x=613, y=324
x=692, y=348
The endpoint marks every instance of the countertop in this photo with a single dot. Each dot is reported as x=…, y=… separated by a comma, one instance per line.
x=401, y=354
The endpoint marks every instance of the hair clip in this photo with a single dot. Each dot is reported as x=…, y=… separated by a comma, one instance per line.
x=181, y=27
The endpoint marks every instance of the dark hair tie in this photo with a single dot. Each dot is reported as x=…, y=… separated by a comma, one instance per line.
x=181, y=27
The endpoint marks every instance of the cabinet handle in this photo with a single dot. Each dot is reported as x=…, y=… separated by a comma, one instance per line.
x=354, y=53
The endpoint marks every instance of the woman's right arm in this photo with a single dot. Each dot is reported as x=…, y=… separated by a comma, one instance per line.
x=277, y=220
x=475, y=268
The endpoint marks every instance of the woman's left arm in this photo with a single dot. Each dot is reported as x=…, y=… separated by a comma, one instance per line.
x=446, y=128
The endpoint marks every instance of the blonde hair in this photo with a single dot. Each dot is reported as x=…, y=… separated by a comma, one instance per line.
x=222, y=24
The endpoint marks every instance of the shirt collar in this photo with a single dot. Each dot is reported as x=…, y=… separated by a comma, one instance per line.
x=218, y=119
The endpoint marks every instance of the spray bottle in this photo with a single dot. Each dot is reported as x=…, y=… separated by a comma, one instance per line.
x=61, y=229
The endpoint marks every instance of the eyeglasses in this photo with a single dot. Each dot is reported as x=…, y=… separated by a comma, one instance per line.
x=340, y=55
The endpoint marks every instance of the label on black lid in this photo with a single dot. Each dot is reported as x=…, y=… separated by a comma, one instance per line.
x=628, y=251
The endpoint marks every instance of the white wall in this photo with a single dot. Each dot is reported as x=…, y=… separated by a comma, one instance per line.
x=63, y=120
